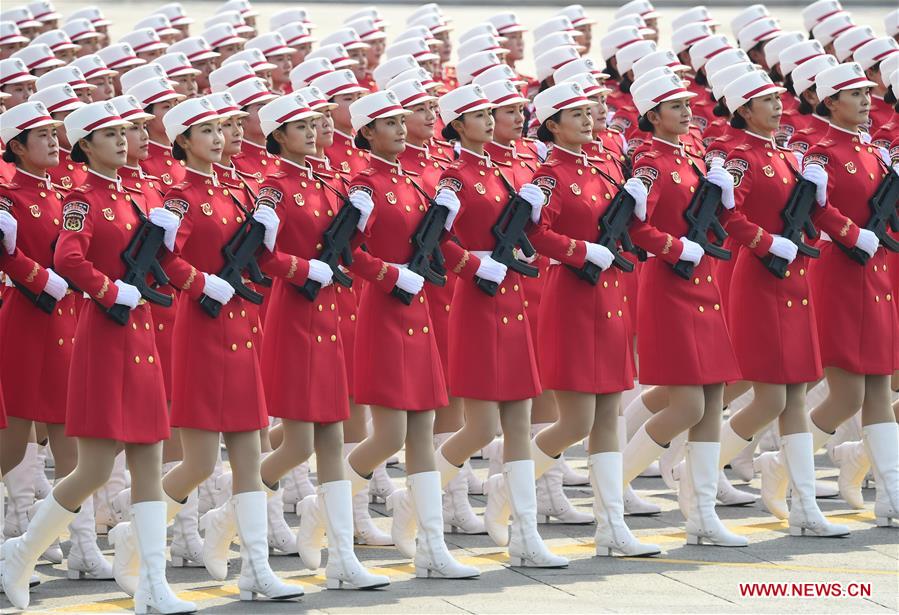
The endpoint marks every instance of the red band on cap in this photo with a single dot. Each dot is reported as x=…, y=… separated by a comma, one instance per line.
x=763, y=34
x=667, y=94
x=755, y=91
x=630, y=42
x=559, y=105
x=101, y=121
x=341, y=59
x=121, y=60
x=384, y=110
x=6, y=78
x=695, y=40
x=193, y=120
x=881, y=56
x=502, y=99
x=11, y=36
x=247, y=101
x=864, y=42
x=218, y=42
x=481, y=70
x=147, y=44
x=369, y=33
x=508, y=27
x=561, y=64
x=44, y=14
x=296, y=38
x=61, y=103
x=131, y=112
x=310, y=78
x=413, y=98
x=293, y=113
x=825, y=16
x=239, y=80
x=840, y=31
x=96, y=70
x=224, y=110
x=806, y=59
x=157, y=96
x=842, y=85
x=177, y=68
x=34, y=121
x=341, y=87
x=266, y=52
x=474, y=103
x=200, y=52
x=716, y=52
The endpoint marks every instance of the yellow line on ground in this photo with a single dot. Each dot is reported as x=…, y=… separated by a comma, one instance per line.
x=501, y=558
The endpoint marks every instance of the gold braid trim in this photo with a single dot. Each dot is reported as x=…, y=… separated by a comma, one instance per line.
x=382, y=272
x=755, y=240
x=293, y=267
x=572, y=244
x=668, y=244
x=103, y=289
x=33, y=274
x=462, y=262
x=190, y=279
x=845, y=230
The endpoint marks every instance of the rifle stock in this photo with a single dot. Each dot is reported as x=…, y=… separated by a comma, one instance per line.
x=884, y=214
x=797, y=221
x=702, y=218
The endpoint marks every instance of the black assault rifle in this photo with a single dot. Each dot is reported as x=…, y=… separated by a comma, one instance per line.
x=797, y=217
x=141, y=258
x=43, y=301
x=702, y=217
x=883, y=212
x=509, y=233
x=336, y=242
x=427, y=258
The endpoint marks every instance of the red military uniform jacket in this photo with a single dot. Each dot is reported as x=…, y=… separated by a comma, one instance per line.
x=813, y=132
x=217, y=384
x=161, y=164
x=397, y=360
x=36, y=347
x=253, y=163
x=682, y=338
x=583, y=339
x=344, y=155
x=701, y=105
x=857, y=319
x=68, y=173
x=116, y=386
x=491, y=348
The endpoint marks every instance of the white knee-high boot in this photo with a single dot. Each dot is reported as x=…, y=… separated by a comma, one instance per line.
x=633, y=504
x=775, y=478
x=458, y=516
x=805, y=516
x=153, y=592
x=703, y=524
x=882, y=442
x=526, y=547
x=85, y=560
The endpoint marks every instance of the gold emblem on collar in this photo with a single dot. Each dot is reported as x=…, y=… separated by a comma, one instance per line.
x=35, y=210
x=675, y=177
x=108, y=213
x=479, y=187
x=851, y=168
x=575, y=189
x=299, y=199
x=768, y=170
x=206, y=208
x=391, y=198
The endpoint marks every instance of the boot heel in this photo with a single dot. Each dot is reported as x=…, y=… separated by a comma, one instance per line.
x=543, y=519
x=73, y=575
x=422, y=572
x=518, y=562
x=247, y=595
x=333, y=583
x=797, y=531
x=102, y=529
x=140, y=607
x=883, y=521
x=693, y=539
x=178, y=562
x=604, y=551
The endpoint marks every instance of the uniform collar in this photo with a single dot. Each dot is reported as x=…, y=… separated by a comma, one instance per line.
x=114, y=184
x=600, y=146
x=324, y=162
x=167, y=148
x=344, y=135
x=395, y=167
x=821, y=118
x=305, y=169
x=677, y=148
x=482, y=160
x=45, y=180
x=424, y=151
x=138, y=170
x=506, y=150
x=769, y=141
x=256, y=145
x=580, y=158
x=213, y=178
x=843, y=134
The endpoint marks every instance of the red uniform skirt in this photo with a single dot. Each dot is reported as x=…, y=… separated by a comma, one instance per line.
x=724, y=272
x=856, y=312
x=533, y=293
x=116, y=388
x=347, y=303
x=630, y=283
x=583, y=341
x=440, y=301
x=396, y=357
x=35, y=354
x=491, y=350
x=772, y=322
x=302, y=360
x=164, y=322
x=217, y=381
x=682, y=338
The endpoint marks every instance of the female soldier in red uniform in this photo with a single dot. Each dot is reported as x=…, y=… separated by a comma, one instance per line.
x=492, y=360
x=586, y=373
x=37, y=345
x=341, y=88
x=217, y=387
x=157, y=98
x=772, y=319
x=855, y=301
x=685, y=345
x=398, y=370
x=815, y=126
x=98, y=220
x=304, y=339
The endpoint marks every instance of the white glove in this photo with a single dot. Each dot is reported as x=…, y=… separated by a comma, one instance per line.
x=267, y=217
x=865, y=137
x=692, y=251
x=492, y=270
x=867, y=241
x=128, y=295
x=167, y=221
x=217, y=288
x=56, y=286
x=784, y=248
x=599, y=255
x=320, y=272
x=817, y=174
x=533, y=195
x=409, y=281
x=799, y=157
x=724, y=180
x=9, y=226
x=447, y=198
x=361, y=201
x=637, y=189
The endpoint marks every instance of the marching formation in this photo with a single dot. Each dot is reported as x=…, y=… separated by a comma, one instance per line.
x=343, y=244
